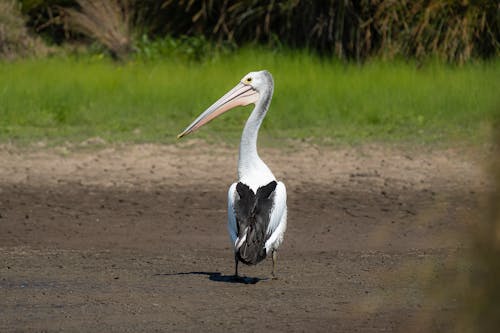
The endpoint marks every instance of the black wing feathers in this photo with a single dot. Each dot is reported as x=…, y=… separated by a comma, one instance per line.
x=264, y=192
x=252, y=216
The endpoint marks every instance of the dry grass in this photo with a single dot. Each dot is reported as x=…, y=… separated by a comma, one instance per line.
x=15, y=41
x=106, y=21
x=454, y=31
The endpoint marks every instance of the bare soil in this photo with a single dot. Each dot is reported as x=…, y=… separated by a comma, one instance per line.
x=133, y=239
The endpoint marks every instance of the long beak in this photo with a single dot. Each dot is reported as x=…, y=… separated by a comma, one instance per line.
x=240, y=95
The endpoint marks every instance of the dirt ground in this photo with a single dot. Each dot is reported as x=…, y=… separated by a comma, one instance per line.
x=133, y=239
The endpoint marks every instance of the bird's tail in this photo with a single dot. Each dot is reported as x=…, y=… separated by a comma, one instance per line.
x=250, y=247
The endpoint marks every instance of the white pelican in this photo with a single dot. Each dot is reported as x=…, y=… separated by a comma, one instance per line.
x=257, y=202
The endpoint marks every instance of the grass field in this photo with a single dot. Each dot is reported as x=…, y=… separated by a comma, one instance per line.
x=57, y=100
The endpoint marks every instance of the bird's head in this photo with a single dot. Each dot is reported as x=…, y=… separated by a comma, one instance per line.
x=259, y=81
x=246, y=92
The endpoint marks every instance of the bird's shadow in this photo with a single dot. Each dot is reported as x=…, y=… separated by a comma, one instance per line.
x=218, y=277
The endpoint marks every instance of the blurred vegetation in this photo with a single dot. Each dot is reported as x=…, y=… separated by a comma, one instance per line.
x=481, y=291
x=185, y=48
x=454, y=31
x=474, y=285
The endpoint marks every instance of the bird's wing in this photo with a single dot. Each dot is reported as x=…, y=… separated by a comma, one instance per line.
x=231, y=216
x=277, y=221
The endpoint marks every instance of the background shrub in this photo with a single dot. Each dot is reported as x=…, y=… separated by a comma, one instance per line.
x=452, y=30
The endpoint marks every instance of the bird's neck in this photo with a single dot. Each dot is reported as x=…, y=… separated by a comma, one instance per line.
x=249, y=163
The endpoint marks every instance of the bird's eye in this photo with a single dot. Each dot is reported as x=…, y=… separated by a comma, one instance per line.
x=248, y=80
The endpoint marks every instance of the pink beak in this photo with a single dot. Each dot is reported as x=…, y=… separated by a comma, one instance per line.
x=240, y=95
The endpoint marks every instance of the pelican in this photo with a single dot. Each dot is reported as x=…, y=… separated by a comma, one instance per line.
x=256, y=209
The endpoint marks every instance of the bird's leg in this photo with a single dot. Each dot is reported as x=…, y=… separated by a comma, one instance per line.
x=275, y=259
x=235, y=266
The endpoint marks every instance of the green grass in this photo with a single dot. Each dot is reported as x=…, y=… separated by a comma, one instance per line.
x=58, y=100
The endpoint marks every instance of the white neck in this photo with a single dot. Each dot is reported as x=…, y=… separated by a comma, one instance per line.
x=251, y=169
